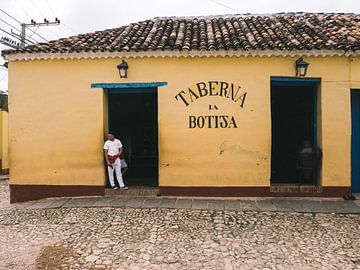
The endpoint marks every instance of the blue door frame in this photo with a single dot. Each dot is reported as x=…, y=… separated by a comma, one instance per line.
x=355, y=140
x=291, y=81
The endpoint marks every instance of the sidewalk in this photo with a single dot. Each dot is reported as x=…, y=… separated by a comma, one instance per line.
x=129, y=200
x=300, y=205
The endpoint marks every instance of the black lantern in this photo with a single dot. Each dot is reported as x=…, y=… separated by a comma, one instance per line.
x=123, y=67
x=301, y=67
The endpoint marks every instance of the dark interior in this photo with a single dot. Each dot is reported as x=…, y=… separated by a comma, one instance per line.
x=133, y=117
x=292, y=112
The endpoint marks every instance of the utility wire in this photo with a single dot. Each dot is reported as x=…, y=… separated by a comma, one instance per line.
x=37, y=34
x=19, y=37
x=3, y=11
x=225, y=6
x=23, y=10
x=66, y=26
x=34, y=32
x=17, y=29
x=51, y=32
x=37, y=8
x=51, y=10
x=65, y=32
x=15, y=36
x=42, y=14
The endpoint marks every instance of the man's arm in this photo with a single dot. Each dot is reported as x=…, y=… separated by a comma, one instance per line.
x=120, y=151
x=107, y=157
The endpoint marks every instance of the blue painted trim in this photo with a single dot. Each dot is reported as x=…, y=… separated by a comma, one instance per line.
x=128, y=85
x=315, y=116
x=293, y=81
x=131, y=90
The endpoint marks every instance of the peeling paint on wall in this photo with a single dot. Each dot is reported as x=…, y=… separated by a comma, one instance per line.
x=235, y=148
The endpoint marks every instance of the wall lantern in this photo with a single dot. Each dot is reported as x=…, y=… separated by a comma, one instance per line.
x=123, y=67
x=301, y=67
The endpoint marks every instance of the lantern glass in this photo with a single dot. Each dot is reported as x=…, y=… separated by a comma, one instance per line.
x=301, y=67
x=302, y=71
x=123, y=67
x=122, y=73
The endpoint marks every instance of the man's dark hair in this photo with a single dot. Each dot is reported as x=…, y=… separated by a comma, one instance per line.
x=112, y=133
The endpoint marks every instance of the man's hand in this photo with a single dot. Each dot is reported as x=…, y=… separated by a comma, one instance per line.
x=107, y=159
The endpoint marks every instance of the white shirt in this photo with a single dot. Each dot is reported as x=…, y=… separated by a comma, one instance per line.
x=113, y=147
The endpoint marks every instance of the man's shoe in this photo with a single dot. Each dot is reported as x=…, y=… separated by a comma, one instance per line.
x=124, y=187
x=114, y=188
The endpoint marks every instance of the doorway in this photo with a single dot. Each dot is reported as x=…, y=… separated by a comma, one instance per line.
x=293, y=116
x=355, y=141
x=133, y=117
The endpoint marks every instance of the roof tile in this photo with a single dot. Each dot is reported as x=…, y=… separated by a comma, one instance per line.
x=282, y=31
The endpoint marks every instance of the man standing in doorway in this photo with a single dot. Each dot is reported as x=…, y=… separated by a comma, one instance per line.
x=112, y=150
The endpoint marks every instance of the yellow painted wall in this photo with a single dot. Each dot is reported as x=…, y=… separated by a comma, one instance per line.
x=4, y=139
x=57, y=120
x=1, y=135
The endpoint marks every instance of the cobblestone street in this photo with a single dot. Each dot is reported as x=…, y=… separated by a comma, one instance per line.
x=160, y=238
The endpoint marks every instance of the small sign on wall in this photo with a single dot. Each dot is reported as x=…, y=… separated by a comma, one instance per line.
x=202, y=90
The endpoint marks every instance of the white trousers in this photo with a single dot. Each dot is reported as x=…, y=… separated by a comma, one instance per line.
x=116, y=166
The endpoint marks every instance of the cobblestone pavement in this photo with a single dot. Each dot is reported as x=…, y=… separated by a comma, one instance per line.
x=163, y=238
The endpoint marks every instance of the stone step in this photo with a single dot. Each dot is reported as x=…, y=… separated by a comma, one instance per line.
x=133, y=191
x=295, y=188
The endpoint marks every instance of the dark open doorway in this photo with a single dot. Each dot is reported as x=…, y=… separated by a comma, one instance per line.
x=355, y=140
x=133, y=117
x=293, y=113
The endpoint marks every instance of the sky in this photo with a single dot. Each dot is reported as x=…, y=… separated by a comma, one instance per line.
x=82, y=16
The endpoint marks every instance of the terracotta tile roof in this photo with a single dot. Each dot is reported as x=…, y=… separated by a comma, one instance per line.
x=282, y=31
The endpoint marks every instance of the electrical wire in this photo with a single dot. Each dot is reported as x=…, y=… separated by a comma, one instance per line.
x=65, y=25
x=223, y=5
x=34, y=32
x=68, y=27
x=23, y=10
x=37, y=34
x=17, y=29
x=51, y=10
x=65, y=33
x=37, y=8
x=53, y=33
x=15, y=36
x=3, y=11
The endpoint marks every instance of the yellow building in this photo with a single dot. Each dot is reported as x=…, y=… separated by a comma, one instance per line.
x=4, y=142
x=210, y=106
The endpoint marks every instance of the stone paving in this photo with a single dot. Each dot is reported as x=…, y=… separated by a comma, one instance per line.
x=166, y=233
x=301, y=205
